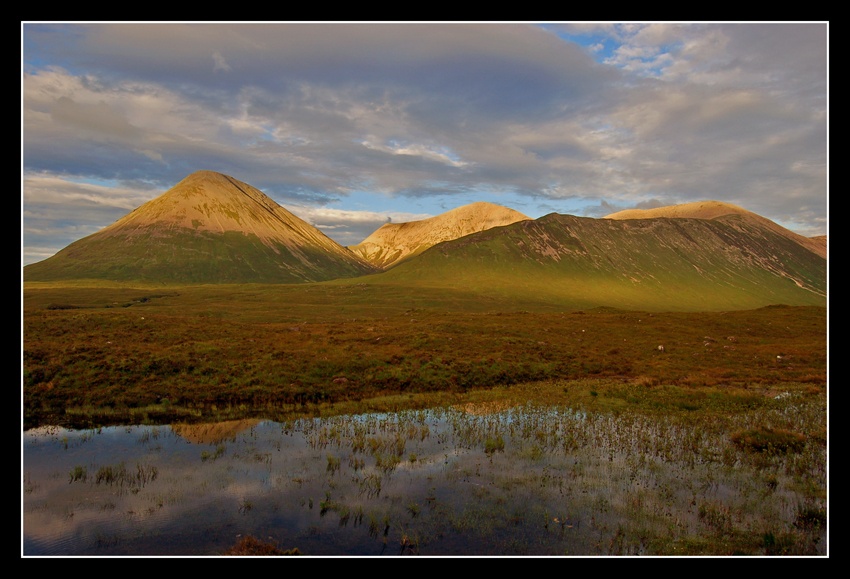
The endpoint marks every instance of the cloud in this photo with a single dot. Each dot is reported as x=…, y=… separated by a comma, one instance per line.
x=57, y=211
x=349, y=227
x=422, y=115
x=219, y=64
x=416, y=150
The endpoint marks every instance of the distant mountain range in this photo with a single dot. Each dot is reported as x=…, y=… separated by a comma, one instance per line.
x=212, y=228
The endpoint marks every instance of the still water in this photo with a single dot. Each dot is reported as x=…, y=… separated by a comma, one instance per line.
x=518, y=481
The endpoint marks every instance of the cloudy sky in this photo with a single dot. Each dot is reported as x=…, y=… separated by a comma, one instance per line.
x=351, y=125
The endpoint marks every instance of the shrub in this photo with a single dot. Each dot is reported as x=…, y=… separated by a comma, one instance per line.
x=769, y=440
x=249, y=545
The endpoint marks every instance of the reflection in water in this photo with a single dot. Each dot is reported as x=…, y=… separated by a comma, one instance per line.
x=521, y=481
x=215, y=432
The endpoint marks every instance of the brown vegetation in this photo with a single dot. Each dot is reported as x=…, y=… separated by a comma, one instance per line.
x=251, y=546
x=201, y=350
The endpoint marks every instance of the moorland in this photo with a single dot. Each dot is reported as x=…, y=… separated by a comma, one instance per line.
x=106, y=353
x=740, y=394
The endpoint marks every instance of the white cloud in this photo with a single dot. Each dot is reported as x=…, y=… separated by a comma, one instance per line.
x=439, y=154
x=350, y=227
x=41, y=190
x=219, y=64
x=338, y=216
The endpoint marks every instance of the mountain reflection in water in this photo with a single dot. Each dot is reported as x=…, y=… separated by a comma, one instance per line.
x=498, y=481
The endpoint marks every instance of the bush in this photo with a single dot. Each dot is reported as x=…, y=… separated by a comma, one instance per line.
x=249, y=545
x=769, y=440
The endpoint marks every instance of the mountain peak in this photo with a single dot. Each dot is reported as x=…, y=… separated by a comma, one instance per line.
x=209, y=227
x=395, y=242
x=207, y=201
x=695, y=210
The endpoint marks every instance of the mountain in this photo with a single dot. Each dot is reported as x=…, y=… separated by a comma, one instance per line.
x=393, y=243
x=820, y=243
x=208, y=228
x=212, y=228
x=715, y=209
x=725, y=262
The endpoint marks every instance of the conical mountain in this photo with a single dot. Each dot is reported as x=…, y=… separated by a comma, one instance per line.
x=209, y=228
x=658, y=264
x=393, y=243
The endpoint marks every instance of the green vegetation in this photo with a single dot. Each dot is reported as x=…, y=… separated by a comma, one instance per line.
x=191, y=257
x=655, y=265
x=120, y=475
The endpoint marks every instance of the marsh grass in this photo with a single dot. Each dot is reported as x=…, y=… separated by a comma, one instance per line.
x=638, y=483
x=568, y=481
x=219, y=451
x=120, y=475
x=78, y=473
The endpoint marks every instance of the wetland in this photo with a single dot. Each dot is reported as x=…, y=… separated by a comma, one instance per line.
x=476, y=479
x=194, y=423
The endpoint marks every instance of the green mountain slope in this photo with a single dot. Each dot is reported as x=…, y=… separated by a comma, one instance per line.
x=717, y=209
x=671, y=264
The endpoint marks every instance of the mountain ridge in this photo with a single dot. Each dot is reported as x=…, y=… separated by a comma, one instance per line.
x=711, y=209
x=730, y=262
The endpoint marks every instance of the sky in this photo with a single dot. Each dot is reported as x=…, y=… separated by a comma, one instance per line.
x=350, y=125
